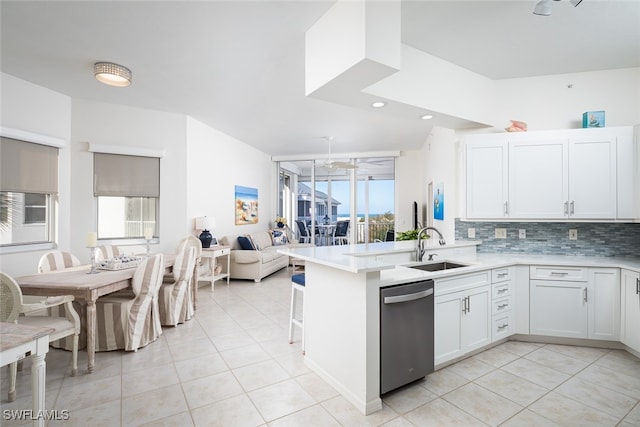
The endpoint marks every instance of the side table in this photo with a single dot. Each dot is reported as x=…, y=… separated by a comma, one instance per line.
x=17, y=340
x=213, y=253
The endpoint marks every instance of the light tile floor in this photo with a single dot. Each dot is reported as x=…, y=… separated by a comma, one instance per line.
x=232, y=366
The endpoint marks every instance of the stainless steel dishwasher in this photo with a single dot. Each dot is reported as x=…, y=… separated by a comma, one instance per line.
x=406, y=334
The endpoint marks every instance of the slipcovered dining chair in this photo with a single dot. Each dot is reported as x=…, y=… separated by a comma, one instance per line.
x=128, y=323
x=58, y=260
x=106, y=252
x=198, y=268
x=174, y=298
x=14, y=307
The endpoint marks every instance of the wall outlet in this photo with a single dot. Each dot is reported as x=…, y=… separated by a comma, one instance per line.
x=501, y=233
x=573, y=234
x=471, y=233
x=522, y=234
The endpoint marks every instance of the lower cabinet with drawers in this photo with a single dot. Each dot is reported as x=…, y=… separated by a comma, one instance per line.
x=502, y=302
x=575, y=302
x=473, y=310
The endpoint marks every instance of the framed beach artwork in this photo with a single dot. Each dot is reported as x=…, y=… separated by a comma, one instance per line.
x=438, y=201
x=246, y=200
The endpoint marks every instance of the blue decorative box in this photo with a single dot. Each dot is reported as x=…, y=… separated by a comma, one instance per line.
x=593, y=119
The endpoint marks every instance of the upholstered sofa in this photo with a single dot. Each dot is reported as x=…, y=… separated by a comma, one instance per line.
x=255, y=264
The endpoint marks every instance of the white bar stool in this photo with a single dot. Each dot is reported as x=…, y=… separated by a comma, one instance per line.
x=297, y=285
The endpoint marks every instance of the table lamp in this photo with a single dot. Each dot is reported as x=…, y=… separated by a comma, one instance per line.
x=203, y=223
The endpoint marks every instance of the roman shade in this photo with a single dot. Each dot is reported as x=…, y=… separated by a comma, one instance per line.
x=27, y=167
x=120, y=175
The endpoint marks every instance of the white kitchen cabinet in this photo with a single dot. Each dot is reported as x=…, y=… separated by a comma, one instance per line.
x=487, y=176
x=564, y=174
x=538, y=178
x=603, y=303
x=558, y=308
x=462, y=322
x=592, y=177
x=630, y=313
x=502, y=303
x=575, y=302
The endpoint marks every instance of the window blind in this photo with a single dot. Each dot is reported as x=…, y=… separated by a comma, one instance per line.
x=27, y=167
x=125, y=176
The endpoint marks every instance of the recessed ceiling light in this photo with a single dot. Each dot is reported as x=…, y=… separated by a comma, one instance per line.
x=427, y=117
x=378, y=104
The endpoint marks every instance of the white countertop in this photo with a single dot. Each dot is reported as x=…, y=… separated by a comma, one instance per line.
x=361, y=258
x=480, y=262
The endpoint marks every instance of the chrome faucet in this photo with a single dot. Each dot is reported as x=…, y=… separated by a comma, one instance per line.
x=420, y=247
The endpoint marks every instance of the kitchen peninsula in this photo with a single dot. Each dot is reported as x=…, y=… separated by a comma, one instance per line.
x=342, y=302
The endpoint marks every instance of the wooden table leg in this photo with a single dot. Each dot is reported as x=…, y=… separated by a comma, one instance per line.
x=91, y=334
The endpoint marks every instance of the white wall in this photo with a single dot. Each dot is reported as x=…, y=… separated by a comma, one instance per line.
x=216, y=163
x=410, y=183
x=117, y=125
x=547, y=102
x=32, y=108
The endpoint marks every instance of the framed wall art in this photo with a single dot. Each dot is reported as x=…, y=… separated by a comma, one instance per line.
x=246, y=201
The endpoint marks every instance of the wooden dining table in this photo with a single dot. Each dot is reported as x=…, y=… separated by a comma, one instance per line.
x=85, y=287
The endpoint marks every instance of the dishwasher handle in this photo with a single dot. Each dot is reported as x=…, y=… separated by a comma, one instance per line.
x=408, y=297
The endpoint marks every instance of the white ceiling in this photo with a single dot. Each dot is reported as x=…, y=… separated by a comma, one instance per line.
x=239, y=66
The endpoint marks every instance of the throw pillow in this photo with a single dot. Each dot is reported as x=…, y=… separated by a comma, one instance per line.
x=246, y=243
x=255, y=244
x=278, y=238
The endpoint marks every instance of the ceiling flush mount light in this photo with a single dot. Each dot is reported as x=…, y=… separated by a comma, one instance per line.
x=378, y=104
x=112, y=74
x=427, y=117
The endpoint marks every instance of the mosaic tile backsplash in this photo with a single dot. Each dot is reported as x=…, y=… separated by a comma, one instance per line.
x=552, y=238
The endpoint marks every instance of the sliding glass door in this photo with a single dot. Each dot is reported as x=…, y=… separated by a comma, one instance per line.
x=357, y=195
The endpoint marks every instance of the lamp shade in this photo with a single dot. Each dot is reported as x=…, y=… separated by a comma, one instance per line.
x=202, y=223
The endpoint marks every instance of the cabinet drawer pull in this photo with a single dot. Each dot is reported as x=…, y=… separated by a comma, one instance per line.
x=566, y=208
x=506, y=208
x=585, y=295
x=637, y=286
x=503, y=326
x=501, y=306
x=503, y=290
x=571, y=207
x=503, y=274
x=559, y=273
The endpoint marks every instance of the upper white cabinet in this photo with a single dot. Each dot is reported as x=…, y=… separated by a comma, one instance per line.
x=567, y=174
x=538, y=178
x=487, y=177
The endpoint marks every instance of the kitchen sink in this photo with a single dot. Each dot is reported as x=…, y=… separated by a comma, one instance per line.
x=438, y=266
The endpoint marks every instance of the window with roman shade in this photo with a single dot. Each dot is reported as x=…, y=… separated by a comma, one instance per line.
x=127, y=189
x=28, y=186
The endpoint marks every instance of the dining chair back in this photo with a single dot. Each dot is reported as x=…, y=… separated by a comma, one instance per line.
x=128, y=323
x=303, y=232
x=14, y=307
x=192, y=242
x=107, y=252
x=173, y=298
x=57, y=260
x=390, y=236
x=341, y=234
